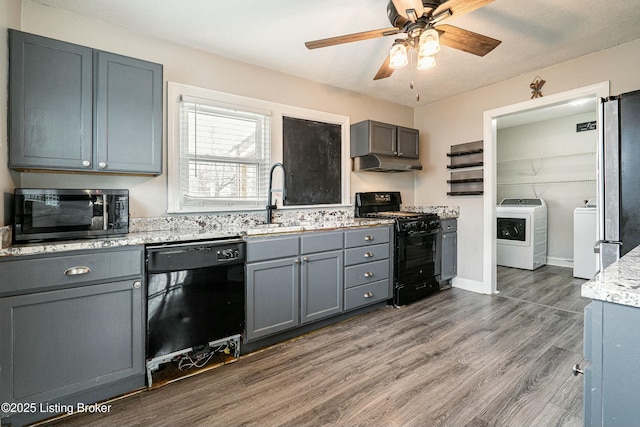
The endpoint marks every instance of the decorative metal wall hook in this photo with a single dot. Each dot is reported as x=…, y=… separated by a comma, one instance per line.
x=536, y=87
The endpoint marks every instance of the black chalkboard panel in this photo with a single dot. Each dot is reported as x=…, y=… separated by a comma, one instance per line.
x=312, y=157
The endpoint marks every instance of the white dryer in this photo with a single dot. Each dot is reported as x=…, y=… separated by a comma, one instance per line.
x=521, y=233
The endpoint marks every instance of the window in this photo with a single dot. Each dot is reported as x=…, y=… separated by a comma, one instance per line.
x=221, y=145
x=224, y=155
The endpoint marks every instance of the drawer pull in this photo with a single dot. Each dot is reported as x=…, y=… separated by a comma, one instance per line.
x=368, y=295
x=76, y=271
x=305, y=259
x=368, y=238
x=137, y=284
x=368, y=254
x=368, y=274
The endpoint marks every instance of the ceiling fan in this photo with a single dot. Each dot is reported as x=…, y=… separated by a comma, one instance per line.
x=420, y=21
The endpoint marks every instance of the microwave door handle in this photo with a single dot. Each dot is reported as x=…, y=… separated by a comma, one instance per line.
x=105, y=213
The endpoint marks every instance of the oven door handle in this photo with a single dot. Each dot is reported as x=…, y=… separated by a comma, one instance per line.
x=420, y=233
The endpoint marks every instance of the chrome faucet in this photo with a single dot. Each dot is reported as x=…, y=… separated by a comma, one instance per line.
x=270, y=205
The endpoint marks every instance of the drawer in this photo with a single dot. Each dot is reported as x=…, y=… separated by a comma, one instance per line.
x=449, y=225
x=265, y=248
x=36, y=273
x=320, y=242
x=366, y=237
x=366, y=273
x=359, y=296
x=366, y=254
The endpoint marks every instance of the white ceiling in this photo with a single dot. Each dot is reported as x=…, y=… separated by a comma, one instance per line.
x=271, y=34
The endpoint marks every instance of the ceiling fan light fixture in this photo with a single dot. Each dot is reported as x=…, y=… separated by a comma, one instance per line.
x=429, y=42
x=426, y=62
x=409, y=9
x=398, y=57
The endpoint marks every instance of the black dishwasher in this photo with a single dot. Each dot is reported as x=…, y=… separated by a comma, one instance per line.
x=195, y=294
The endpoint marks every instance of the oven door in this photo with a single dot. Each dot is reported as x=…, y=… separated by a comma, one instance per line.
x=416, y=257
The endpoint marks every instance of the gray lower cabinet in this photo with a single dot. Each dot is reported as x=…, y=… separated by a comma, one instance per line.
x=71, y=327
x=448, y=250
x=292, y=280
x=79, y=109
x=368, y=266
x=612, y=375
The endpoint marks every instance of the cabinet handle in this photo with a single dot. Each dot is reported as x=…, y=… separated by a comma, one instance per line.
x=368, y=254
x=449, y=227
x=76, y=271
x=102, y=165
x=297, y=261
x=368, y=274
x=400, y=153
x=368, y=295
x=576, y=370
x=368, y=238
x=86, y=163
x=137, y=284
x=305, y=259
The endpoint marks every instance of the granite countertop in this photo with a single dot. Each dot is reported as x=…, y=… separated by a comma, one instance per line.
x=207, y=227
x=169, y=236
x=619, y=283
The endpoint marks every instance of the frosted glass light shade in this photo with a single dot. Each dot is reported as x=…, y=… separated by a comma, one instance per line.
x=429, y=42
x=426, y=61
x=398, y=56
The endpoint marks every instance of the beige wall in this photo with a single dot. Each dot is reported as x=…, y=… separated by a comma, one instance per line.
x=459, y=119
x=9, y=18
x=194, y=67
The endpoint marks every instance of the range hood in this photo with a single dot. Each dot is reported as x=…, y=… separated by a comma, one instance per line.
x=384, y=163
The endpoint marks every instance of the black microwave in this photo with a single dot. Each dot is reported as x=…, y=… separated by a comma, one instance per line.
x=63, y=214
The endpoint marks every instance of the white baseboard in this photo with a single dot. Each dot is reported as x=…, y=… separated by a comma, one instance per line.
x=560, y=262
x=468, y=285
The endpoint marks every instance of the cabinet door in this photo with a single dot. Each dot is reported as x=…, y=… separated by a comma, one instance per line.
x=408, y=142
x=272, y=297
x=321, y=285
x=449, y=261
x=128, y=109
x=50, y=103
x=383, y=138
x=62, y=342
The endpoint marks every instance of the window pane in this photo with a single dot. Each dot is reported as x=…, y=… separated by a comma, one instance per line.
x=222, y=180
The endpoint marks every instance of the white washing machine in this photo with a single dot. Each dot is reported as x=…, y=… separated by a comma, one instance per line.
x=585, y=235
x=521, y=233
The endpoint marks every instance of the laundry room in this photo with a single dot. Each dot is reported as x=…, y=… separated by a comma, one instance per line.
x=548, y=157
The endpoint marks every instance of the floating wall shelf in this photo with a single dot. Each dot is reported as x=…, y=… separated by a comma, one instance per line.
x=468, y=182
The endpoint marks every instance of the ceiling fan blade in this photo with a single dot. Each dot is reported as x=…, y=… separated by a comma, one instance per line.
x=466, y=40
x=461, y=7
x=385, y=70
x=365, y=35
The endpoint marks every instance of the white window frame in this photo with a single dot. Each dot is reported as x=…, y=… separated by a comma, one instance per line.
x=176, y=92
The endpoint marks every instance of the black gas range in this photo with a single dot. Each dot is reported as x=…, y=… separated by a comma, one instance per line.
x=417, y=261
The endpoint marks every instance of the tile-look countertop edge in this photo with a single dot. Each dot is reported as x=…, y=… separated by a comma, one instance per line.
x=619, y=283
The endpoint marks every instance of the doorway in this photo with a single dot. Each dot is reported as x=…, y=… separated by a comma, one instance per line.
x=491, y=119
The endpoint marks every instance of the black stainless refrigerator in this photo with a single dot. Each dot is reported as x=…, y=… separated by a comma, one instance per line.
x=619, y=178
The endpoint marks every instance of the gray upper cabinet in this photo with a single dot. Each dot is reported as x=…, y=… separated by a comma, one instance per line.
x=80, y=109
x=50, y=103
x=371, y=137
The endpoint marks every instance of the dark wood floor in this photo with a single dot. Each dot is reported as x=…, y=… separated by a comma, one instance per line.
x=455, y=359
